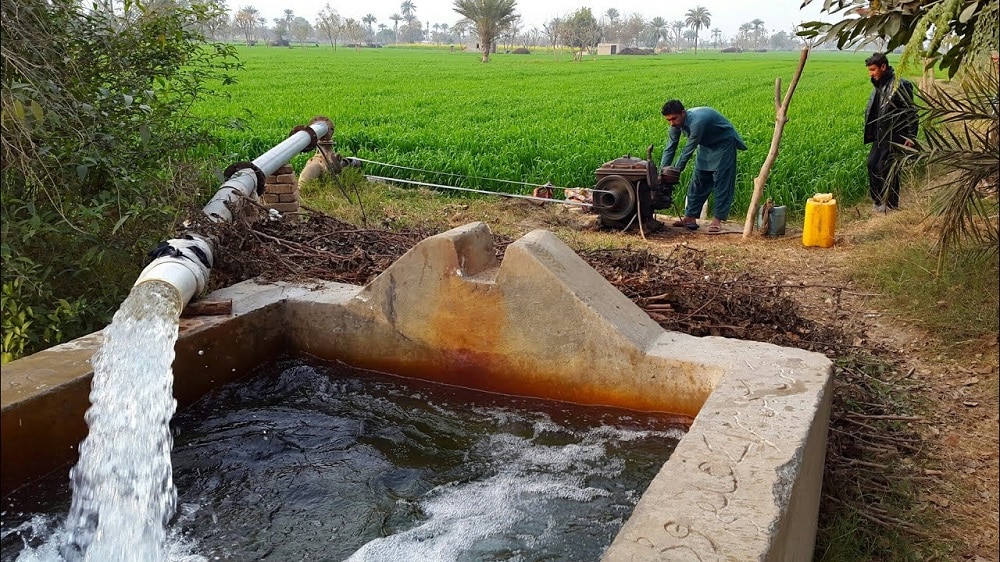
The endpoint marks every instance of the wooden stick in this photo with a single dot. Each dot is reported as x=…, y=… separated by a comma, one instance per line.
x=779, y=126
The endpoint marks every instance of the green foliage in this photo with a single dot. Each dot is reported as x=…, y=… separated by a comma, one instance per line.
x=962, y=140
x=96, y=123
x=491, y=18
x=946, y=32
x=32, y=317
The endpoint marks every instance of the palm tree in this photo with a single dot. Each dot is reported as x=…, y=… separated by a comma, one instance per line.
x=369, y=20
x=659, y=26
x=716, y=35
x=408, y=8
x=491, y=18
x=678, y=27
x=459, y=29
x=246, y=20
x=758, y=30
x=396, y=18
x=612, y=15
x=697, y=18
x=745, y=35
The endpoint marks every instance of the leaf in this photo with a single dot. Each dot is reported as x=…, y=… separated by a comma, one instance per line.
x=144, y=134
x=81, y=170
x=892, y=25
x=36, y=110
x=19, y=110
x=118, y=224
x=128, y=100
x=968, y=12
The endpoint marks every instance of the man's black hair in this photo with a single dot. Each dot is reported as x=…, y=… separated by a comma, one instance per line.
x=877, y=59
x=672, y=107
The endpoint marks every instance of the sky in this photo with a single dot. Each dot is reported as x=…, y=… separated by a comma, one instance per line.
x=727, y=15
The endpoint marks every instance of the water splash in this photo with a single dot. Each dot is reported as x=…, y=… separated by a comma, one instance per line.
x=123, y=488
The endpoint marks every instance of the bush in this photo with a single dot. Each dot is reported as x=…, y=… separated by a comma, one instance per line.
x=95, y=122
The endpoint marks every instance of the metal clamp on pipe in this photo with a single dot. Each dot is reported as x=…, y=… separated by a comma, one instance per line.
x=259, y=174
x=183, y=263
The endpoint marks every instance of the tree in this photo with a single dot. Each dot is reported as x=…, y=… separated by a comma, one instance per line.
x=944, y=32
x=301, y=29
x=215, y=27
x=610, y=24
x=369, y=20
x=283, y=26
x=355, y=32
x=697, y=18
x=717, y=36
x=659, y=26
x=758, y=31
x=553, y=31
x=330, y=24
x=409, y=11
x=490, y=18
x=632, y=29
x=744, y=37
x=582, y=32
x=246, y=21
x=460, y=28
x=678, y=27
x=396, y=18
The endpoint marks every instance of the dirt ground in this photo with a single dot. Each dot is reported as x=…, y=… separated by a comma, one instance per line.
x=913, y=443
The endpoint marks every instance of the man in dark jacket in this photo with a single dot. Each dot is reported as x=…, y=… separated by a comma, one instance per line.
x=890, y=122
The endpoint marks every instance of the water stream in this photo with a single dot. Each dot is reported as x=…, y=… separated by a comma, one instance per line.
x=123, y=491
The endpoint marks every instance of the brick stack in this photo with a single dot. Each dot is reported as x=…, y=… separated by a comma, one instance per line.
x=281, y=191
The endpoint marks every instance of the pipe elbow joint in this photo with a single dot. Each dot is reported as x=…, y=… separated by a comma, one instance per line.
x=183, y=263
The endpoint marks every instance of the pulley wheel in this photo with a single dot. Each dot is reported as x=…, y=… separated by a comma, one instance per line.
x=614, y=198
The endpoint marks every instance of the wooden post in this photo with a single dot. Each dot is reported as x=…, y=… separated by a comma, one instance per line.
x=781, y=116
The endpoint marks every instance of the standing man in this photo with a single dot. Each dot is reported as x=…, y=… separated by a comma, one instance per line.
x=717, y=141
x=890, y=121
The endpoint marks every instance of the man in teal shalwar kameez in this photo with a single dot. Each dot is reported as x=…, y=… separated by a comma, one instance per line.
x=717, y=141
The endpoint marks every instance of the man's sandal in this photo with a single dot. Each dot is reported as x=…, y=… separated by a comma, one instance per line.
x=690, y=225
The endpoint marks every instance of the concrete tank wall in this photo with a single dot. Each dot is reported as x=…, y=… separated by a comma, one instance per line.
x=743, y=484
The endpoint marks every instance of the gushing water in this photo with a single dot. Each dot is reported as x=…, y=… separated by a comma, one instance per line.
x=123, y=488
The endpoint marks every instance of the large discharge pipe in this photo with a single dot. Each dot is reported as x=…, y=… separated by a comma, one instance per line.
x=185, y=262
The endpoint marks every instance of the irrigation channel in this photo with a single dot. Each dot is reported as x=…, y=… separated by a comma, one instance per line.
x=301, y=461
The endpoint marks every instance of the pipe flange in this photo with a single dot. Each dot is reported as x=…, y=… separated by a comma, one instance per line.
x=261, y=176
x=329, y=127
x=313, y=136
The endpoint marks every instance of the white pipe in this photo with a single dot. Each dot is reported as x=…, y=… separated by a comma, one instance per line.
x=181, y=266
x=243, y=183
x=179, y=261
x=278, y=156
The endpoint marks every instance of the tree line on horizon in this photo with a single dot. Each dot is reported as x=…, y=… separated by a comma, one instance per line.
x=247, y=24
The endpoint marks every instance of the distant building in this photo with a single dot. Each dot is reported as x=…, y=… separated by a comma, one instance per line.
x=608, y=48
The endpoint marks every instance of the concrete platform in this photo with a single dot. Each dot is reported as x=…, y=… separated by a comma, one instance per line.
x=743, y=484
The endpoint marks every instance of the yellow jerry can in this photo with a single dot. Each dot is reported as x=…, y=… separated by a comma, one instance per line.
x=821, y=221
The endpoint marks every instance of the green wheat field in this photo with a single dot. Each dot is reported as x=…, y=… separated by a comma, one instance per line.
x=444, y=117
